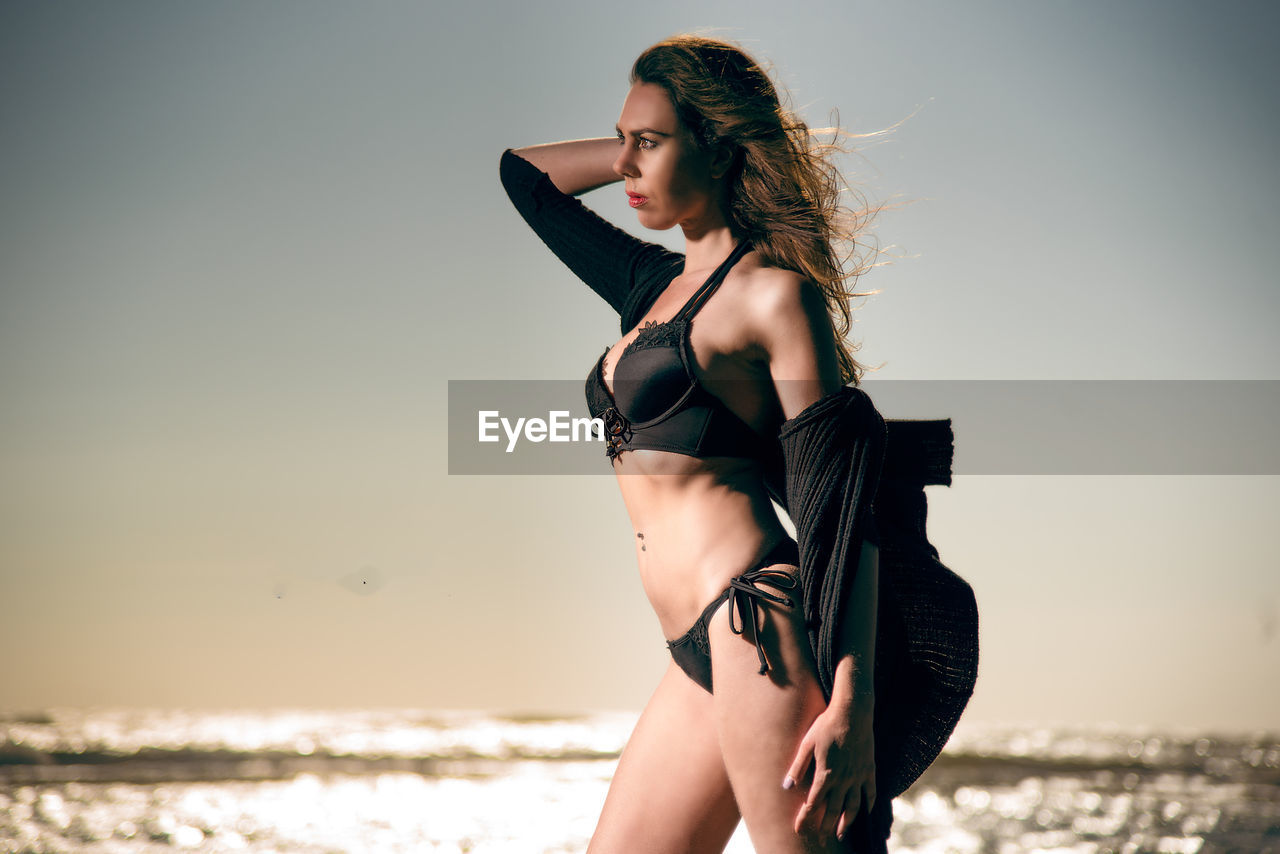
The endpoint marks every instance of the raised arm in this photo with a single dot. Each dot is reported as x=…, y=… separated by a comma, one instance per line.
x=616, y=265
x=576, y=166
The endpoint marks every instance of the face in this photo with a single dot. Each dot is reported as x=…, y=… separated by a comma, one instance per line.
x=668, y=180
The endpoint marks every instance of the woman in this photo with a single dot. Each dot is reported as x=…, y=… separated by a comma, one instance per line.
x=721, y=346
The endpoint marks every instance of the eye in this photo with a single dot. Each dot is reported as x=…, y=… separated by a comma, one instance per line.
x=642, y=142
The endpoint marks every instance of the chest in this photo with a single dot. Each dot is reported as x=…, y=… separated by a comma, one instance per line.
x=652, y=371
x=664, y=366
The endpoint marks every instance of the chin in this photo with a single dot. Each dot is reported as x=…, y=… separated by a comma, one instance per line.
x=651, y=222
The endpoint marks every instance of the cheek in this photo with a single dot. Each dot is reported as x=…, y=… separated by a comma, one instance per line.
x=689, y=182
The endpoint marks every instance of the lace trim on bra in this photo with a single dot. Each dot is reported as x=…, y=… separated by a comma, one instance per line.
x=653, y=333
x=657, y=334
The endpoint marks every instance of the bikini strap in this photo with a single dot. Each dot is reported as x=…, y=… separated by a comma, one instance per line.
x=713, y=281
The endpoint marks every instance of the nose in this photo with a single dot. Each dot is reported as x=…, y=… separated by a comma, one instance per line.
x=625, y=165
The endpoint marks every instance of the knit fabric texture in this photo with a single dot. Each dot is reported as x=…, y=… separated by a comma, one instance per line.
x=847, y=474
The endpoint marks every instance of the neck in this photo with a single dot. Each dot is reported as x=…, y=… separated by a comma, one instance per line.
x=708, y=239
x=708, y=250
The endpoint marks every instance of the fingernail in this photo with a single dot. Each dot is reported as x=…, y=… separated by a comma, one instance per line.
x=787, y=782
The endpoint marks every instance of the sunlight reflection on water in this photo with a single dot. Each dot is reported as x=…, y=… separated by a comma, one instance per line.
x=333, y=782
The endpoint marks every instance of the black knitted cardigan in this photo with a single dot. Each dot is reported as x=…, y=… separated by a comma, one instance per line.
x=841, y=462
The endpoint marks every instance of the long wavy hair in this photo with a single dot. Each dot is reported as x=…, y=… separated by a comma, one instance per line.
x=783, y=188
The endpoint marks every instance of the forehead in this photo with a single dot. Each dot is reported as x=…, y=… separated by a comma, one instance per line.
x=648, y=105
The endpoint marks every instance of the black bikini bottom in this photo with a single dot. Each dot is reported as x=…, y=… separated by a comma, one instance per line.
x=692, y=650
x=869, y=832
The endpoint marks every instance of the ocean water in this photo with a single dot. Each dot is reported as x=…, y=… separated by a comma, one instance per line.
x=392, y=781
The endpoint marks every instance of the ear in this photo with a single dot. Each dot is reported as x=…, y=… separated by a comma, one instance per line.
x=721, y=160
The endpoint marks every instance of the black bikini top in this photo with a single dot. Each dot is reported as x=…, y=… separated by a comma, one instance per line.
x=657, y=402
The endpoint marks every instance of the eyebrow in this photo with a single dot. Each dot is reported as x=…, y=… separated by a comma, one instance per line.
x=643, y=130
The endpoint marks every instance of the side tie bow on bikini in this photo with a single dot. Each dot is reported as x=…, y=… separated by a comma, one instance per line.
x=744, y=598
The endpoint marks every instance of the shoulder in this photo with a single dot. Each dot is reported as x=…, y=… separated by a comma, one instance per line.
x=779, y=290
x=783, y=306
x=792, y=332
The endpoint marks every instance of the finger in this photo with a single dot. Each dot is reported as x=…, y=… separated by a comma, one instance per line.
x=800, y=764
x=810, y=815
x=805, y=814
x=871, y=792
x=820, y=788
x=811, y=812
x=852, y=808
x=834, y=808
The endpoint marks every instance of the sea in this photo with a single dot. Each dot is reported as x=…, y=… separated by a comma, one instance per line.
x=116, y=780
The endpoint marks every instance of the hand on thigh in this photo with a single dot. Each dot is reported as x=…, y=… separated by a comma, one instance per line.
x=761, y=720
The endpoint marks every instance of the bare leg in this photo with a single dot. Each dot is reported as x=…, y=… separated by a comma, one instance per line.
x=670, y=792
x=762, y=719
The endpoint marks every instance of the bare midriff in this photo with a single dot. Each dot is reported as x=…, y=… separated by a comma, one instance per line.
x=698, y=522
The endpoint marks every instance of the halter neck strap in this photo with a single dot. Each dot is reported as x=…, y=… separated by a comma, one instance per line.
x=713, y=281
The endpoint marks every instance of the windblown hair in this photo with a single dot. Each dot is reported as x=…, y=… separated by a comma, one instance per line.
x=783, y=188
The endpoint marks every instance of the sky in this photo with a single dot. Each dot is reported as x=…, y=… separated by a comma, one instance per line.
x=244, y=247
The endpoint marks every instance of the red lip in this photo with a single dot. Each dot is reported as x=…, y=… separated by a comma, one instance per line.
x=636, y=199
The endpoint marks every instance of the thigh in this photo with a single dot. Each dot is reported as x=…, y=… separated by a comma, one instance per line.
x=761, y=720
x=670, y=792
